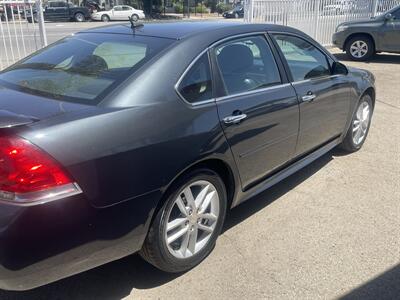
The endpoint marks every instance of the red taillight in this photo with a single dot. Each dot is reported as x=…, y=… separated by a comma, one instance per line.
x=24, y=168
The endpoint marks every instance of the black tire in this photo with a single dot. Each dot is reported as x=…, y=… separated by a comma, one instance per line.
x=155, y=250
x=135, y=18
x=363, y=39
x=348, y=143
x=79, y=17
x=105, y=18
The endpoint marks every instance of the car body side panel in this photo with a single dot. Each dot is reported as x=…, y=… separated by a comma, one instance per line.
x=132, y=151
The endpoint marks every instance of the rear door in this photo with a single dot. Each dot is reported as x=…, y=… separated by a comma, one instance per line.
x=50, y=11
x=118, y=14
x=324, y=98
x=126, y=12
x=61, y=11
x=259, y=110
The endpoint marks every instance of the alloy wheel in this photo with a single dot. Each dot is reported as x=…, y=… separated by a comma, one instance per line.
x=192, y=219
x=359, y=49
x=79, y=17
x=361, y=122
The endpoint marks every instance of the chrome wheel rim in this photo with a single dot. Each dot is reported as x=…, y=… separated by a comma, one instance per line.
x=359, y=49
x=80, y=18
x=192, y=219
x=361, y=122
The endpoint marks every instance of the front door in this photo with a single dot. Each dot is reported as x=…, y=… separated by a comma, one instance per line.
x=259, y=112
x=323, y=97
x=390, y=33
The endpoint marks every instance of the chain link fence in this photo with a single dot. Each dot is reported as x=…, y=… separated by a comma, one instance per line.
x=318, y=18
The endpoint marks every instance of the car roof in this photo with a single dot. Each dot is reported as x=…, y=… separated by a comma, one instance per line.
x=181, y=30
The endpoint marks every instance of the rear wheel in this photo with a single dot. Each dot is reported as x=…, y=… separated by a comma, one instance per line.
x=105, y=18
x=186, y=227
x=135, y=18
x=359, y=127
x=79, y=17
x=360, y=48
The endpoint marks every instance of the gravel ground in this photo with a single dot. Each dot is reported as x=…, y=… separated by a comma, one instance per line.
x=332, y=230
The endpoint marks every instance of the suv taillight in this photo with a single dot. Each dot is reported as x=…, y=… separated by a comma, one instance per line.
x=30, y=175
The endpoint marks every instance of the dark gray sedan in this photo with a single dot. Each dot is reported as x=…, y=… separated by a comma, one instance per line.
x=119, y=140
x=363, y=38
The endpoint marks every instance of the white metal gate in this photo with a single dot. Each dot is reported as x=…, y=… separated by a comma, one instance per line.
x=18, y=37
x=318, y=18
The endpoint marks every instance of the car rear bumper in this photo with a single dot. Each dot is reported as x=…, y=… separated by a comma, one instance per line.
x=47, y=242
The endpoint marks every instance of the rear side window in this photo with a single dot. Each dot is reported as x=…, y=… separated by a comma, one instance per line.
x=305, y=60
x=82, y=68
x=247, y=64
x=196, y=85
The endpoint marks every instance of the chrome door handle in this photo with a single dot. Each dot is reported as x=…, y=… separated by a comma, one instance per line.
x=308, y=98
x=235, y=119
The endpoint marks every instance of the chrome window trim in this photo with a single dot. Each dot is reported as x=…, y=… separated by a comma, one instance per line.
x=176, y=86
x=316, y=79
x=317, y=46
x=257, y=91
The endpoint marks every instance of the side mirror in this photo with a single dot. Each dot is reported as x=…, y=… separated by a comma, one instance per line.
x=339, y=68
x=388, y=17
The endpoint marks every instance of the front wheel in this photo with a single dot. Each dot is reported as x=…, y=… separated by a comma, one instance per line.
x=359, y=127
x=187, y=226
x=79, y=17
x=105, y=18
x=360, y=48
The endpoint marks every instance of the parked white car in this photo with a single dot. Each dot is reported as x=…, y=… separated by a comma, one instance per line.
x=339, y=7
x=120, y=13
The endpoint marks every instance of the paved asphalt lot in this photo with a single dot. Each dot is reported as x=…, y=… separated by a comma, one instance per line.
x=332, y=230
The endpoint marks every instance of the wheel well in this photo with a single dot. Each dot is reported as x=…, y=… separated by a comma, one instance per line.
x=371, y=92
x=216, y=165
x=359, y=35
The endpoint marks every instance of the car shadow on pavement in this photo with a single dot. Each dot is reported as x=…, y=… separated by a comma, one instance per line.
x=378, y=58
x=384, y=287
x=248, y=208
x=117, y=279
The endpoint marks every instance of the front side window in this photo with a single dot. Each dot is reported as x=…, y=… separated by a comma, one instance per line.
x=196, y=85
x=82, y=68
x=247, y=64
x=396, y=15
x=305, y=60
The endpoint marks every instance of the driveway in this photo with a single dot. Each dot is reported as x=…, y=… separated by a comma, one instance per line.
x=331, y=230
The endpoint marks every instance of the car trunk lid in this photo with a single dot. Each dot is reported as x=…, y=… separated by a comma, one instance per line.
x=19, y=108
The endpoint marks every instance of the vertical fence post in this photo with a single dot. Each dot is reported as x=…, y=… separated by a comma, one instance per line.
x=374, y=8
x=42, y=28
x=317, y=4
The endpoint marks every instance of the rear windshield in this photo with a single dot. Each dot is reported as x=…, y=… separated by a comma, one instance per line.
x=82, y=68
